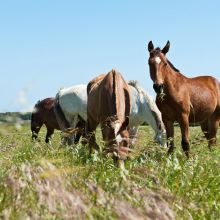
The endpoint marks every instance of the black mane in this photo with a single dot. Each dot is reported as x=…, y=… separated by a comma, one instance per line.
x=172, y=66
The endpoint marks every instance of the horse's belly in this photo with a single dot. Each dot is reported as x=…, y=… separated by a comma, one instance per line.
x=200, y=115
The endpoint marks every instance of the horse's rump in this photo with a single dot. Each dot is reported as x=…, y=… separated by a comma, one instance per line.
x=112, y=94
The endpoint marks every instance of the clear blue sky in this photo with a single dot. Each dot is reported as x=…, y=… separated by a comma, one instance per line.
x=48, y=44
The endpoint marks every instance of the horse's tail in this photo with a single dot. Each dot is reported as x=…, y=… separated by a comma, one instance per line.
x=61, y=119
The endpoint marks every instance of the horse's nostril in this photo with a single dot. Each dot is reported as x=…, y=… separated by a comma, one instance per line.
x=155, y=87
x=158, y=87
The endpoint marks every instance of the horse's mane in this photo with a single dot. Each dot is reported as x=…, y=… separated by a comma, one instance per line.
x=172, y=66
x=140, y=90
x=45, y=103
x=38, y=103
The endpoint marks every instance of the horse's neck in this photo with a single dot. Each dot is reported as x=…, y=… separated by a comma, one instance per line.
x=173, y=80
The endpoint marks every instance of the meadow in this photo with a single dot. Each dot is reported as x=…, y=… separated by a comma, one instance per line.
x=50, y=181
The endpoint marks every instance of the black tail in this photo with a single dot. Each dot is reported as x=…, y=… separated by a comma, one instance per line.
x=61, y=119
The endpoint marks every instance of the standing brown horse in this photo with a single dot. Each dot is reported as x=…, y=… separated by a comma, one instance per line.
x=43, y=114
x=182, y=99
x=109, y=104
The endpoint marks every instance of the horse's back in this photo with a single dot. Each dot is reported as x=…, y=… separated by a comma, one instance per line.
x=204, y=94
x=71, y=102
x=73, y=99
x=207, y=87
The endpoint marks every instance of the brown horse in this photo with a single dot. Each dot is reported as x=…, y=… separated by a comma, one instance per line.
x=43, y=114
x=109, y=104
x=182, y=99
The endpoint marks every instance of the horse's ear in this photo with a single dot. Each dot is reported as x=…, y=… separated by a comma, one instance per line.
x=124, y=125
x=150, y=46
x=166, y=48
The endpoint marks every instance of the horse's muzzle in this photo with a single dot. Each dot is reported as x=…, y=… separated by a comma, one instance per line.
x=158, y=88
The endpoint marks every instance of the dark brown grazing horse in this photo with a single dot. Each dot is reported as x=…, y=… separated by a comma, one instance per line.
x=109, y=105
x=182, y=99
x=43, y=114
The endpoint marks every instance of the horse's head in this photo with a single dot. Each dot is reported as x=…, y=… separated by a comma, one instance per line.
x=157, y=62
x=119, y=136
x=160, y=136
x=36, y=121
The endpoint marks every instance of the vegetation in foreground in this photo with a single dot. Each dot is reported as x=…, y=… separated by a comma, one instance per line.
x=49, y=181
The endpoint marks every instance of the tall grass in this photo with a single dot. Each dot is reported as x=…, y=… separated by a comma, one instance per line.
x=50, y=181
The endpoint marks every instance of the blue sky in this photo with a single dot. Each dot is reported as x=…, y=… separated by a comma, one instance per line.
x=48, y=44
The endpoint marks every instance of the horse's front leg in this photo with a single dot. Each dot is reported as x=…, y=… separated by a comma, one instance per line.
x=184, y=126
x=90, y=134
x=170, y=134
x=80, y=132
x=50, y=132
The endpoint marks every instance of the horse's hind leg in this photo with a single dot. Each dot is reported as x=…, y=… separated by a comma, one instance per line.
x=205, y=128
x=213, y=127
x=81, y=132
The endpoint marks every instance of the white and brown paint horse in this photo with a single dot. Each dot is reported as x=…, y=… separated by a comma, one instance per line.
x=71, y=111
x=144, y=110
x=109, y=104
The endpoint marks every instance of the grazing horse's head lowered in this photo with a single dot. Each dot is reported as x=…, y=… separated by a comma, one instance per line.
x=109, y=104
x=118, y=136
x=43, y=115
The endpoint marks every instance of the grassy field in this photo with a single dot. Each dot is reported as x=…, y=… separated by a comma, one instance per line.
x=40, y=181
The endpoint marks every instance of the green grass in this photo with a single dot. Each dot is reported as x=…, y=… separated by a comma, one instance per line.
x=50, y=181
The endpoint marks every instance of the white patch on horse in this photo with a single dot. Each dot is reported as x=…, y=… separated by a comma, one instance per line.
x=73, y=102
x=117, y=127
x=158, y=60
x=118, y=138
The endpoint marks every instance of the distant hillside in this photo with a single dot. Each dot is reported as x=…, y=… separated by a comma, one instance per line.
x=12, y=117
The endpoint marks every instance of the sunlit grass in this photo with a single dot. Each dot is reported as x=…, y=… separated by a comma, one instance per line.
x=50, y=181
